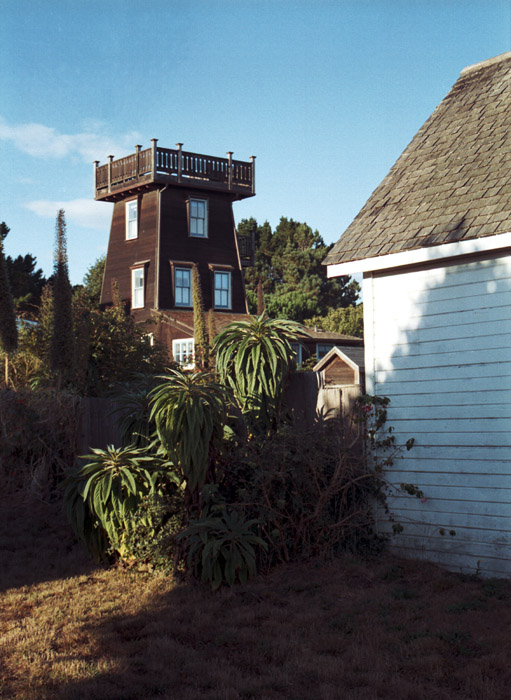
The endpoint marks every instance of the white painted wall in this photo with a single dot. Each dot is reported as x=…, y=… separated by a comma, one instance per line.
x=438, y=343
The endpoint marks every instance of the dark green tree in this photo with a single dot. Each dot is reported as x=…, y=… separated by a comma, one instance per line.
x=200, y=334
x=62, y=351
x=349, y=321
x=93, y=280
x=288, y=262
x=27, y=283
x=8, y=327
x=4, y=230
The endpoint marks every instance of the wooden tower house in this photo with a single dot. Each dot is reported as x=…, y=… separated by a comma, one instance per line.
x=172, y=211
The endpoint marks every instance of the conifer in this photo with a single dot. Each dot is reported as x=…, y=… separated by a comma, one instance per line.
x=8, y=327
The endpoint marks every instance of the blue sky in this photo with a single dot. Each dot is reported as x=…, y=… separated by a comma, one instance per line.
x=325, y=94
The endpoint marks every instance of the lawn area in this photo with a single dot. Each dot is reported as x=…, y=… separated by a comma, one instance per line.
x=345, y=629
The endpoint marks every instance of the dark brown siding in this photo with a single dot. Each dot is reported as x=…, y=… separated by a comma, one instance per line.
x=219, y=248
x=123, y=254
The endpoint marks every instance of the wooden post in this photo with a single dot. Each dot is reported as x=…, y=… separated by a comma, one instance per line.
x=229, y=180
x=110, y=159
x=153, y=158
x=179, y=147
x=252, y=160
x=137, y=149
x=96, y=163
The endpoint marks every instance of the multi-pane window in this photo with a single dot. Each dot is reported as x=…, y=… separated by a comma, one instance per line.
x=198, y=218
x=182, y=286
x=137, y=288
x=131, y=219
x=297, y=349
x=222, y=290
x=183, y=351
x=322, y=349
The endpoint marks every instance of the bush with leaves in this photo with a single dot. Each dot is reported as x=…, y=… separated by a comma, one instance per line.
x=38, y=434
x=102, y=497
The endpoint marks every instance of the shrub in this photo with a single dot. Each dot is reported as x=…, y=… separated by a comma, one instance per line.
x=38, y=433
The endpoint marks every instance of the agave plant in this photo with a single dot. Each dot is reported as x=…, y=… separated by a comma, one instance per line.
x=254, y=358
x=189, y=411
x=101, y=497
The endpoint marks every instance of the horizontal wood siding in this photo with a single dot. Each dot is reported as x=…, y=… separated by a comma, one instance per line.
x=122, y=254
x=219, y=248
x=438, y=344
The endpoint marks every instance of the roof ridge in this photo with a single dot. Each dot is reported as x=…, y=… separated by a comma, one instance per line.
x=489, y=61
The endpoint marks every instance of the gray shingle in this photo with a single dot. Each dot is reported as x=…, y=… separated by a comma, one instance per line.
x=452, y=182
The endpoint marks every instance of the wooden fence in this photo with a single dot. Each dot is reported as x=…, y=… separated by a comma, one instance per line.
x=306, y=398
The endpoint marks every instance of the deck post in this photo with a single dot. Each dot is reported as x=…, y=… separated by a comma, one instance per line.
x=153, y=158
x=137, y=166
x=179, y=147
x=229, y=178
x=110, y=159
x=96, y=164
x=252, y=160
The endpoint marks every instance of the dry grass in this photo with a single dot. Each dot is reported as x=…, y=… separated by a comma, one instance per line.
x=349, y=629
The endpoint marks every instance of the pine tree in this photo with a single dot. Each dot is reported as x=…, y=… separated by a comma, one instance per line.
x=62, y=353
x=199, y=326
x=8, y=327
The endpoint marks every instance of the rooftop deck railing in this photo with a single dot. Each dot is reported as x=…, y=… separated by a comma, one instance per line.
x=155, y=163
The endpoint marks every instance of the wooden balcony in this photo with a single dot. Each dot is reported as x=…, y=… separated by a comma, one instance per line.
x=155, y=165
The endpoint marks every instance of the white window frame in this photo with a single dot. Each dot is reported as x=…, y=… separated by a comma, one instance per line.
x=219, y=274
x=189, y=271
x=131, y=221
x=181, y=349
x=138, y=288
x=198, y=217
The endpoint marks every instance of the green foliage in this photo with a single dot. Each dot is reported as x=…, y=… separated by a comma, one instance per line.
x=62, y=349
x=311, y=489
x=93, y=280
x=222, y=548
x=152, y=539
x=134, y=410
x=8, y=328
x=348, y=320
x=189, y=411
x=201, y=341
x=101, y=497
x=255, y=358
x=118, y=350
x=288, y=261
x=37, y=439
x=26, y=284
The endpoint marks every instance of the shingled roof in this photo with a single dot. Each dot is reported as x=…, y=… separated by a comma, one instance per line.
x=453, y=181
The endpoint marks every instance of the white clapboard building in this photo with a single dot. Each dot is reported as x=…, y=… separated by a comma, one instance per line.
x=434, y=245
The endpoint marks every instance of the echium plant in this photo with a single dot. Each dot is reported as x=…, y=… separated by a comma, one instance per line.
x=189, y=411
x=255, y=358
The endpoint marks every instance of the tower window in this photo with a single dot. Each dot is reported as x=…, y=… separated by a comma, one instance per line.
x=137, y=288
x=131, y=219
x=222, y=290
x=182, y=286
x=198, y=218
